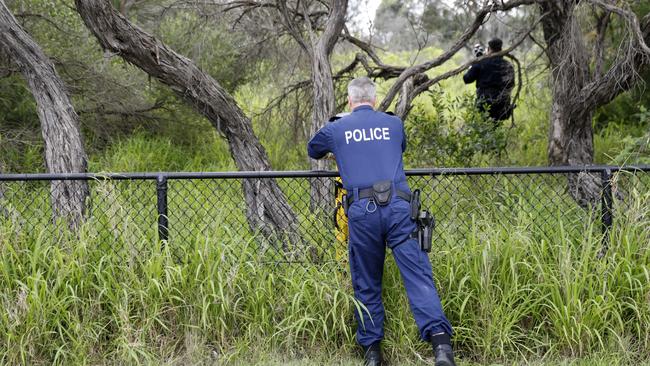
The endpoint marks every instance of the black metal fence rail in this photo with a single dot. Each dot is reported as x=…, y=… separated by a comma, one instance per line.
x=178, y=207
x=320, y=174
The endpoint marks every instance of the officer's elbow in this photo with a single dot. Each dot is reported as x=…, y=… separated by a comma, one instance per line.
x=313, y=153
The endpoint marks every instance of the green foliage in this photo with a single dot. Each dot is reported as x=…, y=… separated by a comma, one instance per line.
x=528, y=139
x=144, y=152
x=116, y=100
x=626, y=108
x=513, y=295
x=456, y=134
x=111, y=95
x=213, y=47
x=636, y=150
x=284, y=136
x=17, y=107
x=20, y=141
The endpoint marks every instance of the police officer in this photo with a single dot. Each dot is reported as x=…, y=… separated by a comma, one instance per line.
x=495, y=79
x=368, y=147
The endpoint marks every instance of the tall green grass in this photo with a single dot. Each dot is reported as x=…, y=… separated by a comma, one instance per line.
x=514, y=297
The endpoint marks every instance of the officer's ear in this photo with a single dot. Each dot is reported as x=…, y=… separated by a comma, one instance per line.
x=349, y=103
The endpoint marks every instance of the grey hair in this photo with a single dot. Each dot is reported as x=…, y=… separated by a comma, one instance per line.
x=362, y=90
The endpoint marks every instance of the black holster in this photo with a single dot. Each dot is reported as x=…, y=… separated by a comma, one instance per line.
x=424, y=221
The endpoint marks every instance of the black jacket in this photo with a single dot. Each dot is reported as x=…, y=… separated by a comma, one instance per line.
x=495, y=78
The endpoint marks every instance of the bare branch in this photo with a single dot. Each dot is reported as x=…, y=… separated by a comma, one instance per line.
x=602, y=22
x=291, y=89
x=126, y=113
x=544, y=50
x=381, y=70
x=334, y=25
x=248, y=4
x=291, y=25
x=624, y=73
x=633, y=23
x=310, y=26
x=48, y=20
x=364, y=46
x=348, y=69
x=303, y=85
x=538, y=44
x=519, y=77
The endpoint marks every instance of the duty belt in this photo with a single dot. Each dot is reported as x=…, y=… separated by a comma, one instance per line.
x=368, y=193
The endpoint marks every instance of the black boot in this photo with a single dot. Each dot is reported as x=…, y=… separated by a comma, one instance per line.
x=442, y=350
x=372, y=355
x=444, y=355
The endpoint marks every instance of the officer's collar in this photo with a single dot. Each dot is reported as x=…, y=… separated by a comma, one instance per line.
x=362, y=108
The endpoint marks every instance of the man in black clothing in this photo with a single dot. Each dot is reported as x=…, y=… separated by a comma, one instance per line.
x=495, y=79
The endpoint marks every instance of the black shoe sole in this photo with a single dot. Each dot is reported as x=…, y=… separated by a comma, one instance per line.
x=444, y=363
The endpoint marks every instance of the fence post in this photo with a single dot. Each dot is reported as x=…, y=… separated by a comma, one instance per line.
x=607, y=217
x=163, y=220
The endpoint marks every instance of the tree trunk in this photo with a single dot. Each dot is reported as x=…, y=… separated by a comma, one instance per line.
x=324, y=108
x=64, y=151
x=322, y=190
x=571, y=143
x=267, y=207
x=571, y=134
x=577, y=92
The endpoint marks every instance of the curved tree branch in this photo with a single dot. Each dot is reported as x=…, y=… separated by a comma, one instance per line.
x=423, y=84
x=602, y=22
x=633, y=23
x=334, y=25
x=64, y=148
x=267, y=207
x=490, y=7
x=624, y=73
x=520, y=83
x=381, y=70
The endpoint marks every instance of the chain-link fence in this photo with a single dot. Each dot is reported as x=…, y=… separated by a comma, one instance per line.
x=131, y=214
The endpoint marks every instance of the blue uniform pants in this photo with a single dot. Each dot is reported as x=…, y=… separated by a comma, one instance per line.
x=372, y=228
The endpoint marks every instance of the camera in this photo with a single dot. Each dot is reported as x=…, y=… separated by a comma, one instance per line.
x=478, y=50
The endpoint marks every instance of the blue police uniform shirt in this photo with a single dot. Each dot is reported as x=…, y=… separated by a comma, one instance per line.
x=368, y=147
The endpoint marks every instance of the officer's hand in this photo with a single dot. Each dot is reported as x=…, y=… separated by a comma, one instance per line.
x=330, y=156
